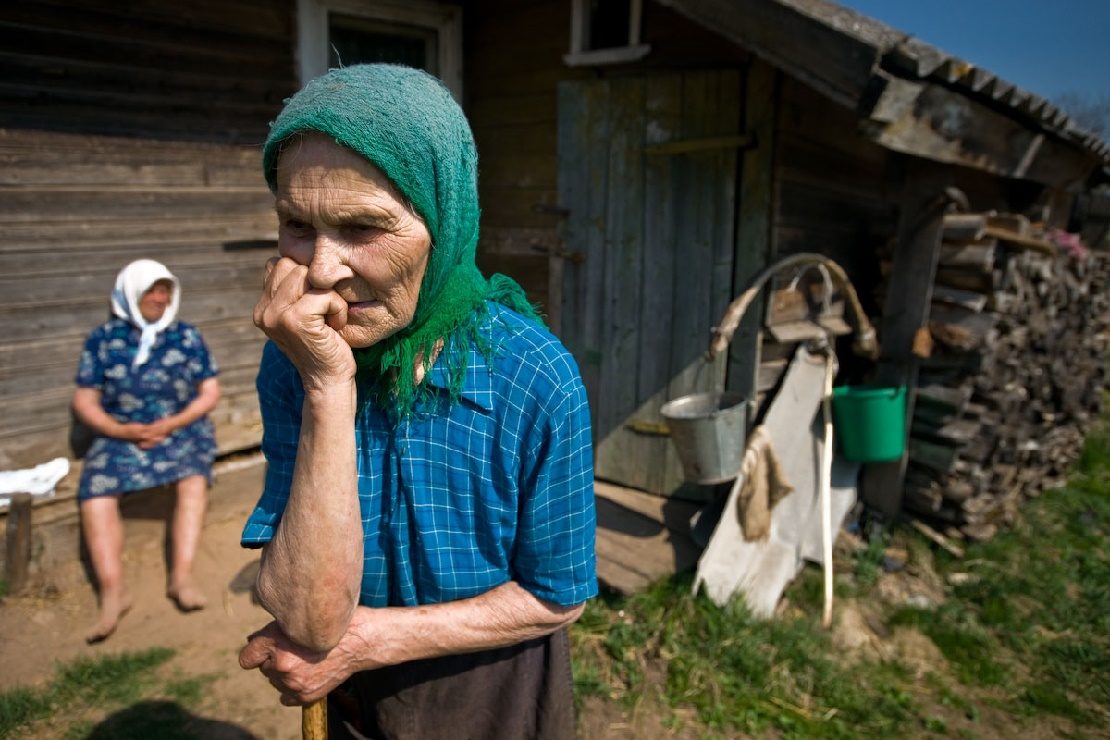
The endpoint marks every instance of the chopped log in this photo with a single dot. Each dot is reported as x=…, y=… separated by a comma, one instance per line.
x=960, y=329
x=953, y=431
x=964, y=227
x=970, y=300
x=964, y=279
x=1014, y=377
x=975, y=255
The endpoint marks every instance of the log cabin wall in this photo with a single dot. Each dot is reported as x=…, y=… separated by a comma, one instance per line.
x=127, y=131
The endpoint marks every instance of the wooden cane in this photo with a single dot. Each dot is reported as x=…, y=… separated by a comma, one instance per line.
x=314, y=720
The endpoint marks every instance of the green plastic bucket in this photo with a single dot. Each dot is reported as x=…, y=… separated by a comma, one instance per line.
x=870, y=422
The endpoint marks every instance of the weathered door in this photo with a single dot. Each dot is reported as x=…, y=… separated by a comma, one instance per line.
x=647, y=173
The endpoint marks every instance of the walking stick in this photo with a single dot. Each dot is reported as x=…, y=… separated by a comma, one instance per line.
x=314, y=720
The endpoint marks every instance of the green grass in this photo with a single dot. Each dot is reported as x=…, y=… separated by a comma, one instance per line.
x=108, y=682
x=1037, y=618
x=1028, y=636
x=739, y=673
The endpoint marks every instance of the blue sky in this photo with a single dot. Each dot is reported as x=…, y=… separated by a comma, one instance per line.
x=1042, y=46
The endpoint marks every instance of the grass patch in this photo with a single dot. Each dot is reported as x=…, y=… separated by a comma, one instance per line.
x=1025, y=637
x=738, y=673
x=105, y=682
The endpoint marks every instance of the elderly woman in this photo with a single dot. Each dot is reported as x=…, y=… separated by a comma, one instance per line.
x=427, y=519
x=145, y=384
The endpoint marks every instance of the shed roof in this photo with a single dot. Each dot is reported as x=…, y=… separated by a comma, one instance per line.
x=853, y=58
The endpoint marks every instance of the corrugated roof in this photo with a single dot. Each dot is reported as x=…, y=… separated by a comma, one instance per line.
x=907, y=56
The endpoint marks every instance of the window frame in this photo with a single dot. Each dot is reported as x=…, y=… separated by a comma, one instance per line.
x=581, y=56
x=445, y=19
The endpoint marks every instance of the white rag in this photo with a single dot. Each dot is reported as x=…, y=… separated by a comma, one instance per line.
x=131, y=283
x=37, y=481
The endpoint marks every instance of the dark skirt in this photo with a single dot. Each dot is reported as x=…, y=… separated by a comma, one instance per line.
x=522, y=691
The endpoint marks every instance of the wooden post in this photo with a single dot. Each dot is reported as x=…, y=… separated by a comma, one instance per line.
x=905, y=310
x=755, y=214
x=18, y=539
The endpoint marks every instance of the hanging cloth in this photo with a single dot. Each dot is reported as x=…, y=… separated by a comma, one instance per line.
x=764, y=485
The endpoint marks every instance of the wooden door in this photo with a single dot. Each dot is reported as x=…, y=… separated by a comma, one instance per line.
x=647, y=174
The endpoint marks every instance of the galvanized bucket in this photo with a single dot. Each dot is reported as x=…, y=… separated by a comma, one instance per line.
x=708, y=432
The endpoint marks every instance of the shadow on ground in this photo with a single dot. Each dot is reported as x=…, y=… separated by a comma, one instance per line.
x=166, y=720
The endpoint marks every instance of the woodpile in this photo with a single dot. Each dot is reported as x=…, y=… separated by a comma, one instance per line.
x=1011, y=376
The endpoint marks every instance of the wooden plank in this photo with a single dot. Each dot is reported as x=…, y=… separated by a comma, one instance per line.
x=905, y=310
x=21, y=206
x=620, y=450
x=754, y=216
x=695, y=190
x=973, y=135
x=760, y=569
x=45, y=238
x=583, y=182
x=674, y=514
x=661, y=264
x=727, y=117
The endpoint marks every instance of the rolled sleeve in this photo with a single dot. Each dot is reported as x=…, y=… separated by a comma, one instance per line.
x=280, y=402
x=554, y=558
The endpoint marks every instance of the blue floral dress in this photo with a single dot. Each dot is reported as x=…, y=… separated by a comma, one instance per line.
x=163, y=386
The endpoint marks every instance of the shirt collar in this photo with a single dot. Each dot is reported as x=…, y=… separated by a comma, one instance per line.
x=477, y=386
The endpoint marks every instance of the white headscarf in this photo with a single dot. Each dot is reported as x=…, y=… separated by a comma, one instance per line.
x=131, y=283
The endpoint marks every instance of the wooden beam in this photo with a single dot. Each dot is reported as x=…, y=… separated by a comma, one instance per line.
x=836, y=63
x=929, y=121
x=905, y=311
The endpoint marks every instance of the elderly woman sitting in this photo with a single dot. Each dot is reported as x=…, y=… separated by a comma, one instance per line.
x=145, y=386
x=428, y=515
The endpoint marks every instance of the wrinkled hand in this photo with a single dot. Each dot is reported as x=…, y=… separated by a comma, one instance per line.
x=305, y=322
x=300, y=675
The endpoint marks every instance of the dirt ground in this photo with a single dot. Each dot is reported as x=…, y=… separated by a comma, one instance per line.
x=46, y=626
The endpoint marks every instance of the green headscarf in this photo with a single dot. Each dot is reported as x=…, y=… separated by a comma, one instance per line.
x=405, y=122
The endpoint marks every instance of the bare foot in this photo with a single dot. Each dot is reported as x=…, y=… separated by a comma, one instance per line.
x=186, y=595
x=112, y=608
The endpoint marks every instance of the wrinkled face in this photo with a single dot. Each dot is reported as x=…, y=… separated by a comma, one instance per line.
x=342, y=218
x=155, y=301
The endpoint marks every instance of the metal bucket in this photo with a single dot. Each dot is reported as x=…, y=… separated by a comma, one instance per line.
x=708, y=431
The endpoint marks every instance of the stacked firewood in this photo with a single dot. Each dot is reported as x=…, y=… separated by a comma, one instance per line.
x=1012, y=371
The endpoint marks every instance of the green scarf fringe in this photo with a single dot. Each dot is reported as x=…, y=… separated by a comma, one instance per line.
x=386, y=370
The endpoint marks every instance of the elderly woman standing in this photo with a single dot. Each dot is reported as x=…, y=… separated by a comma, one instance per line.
x=146, y=383
x=428, y=512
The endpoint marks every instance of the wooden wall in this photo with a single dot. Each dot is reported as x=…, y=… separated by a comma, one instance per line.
x=131, y=130
x=514, y=63
x=185, y=70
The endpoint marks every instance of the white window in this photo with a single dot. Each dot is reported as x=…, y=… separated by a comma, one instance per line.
x=419, y=33
x=605, y=32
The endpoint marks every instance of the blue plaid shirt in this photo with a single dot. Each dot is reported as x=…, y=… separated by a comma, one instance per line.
x=498, y=487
